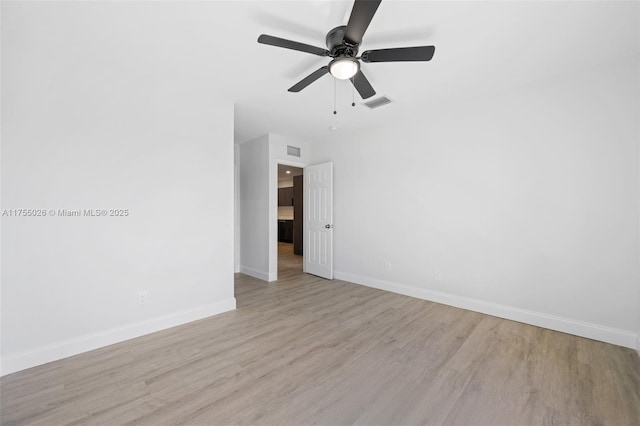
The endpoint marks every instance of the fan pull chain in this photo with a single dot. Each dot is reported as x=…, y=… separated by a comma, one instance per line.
x=353, y=91
x=334, y=97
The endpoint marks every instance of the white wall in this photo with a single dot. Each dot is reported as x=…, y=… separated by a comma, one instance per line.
x=523, y=205
x=90, y=121
x=254, y=208
x=236, y=207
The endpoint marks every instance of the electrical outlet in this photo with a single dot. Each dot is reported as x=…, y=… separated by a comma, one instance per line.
x=387, y=266
x=143, y=297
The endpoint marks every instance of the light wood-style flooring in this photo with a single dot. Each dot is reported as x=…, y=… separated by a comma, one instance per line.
x=304, y=350
x=289, y=265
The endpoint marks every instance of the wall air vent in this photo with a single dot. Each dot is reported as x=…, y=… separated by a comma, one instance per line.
x=376, y=103
x=294, y=151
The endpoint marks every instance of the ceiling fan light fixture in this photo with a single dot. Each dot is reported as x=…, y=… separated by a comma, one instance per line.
x=344, y=68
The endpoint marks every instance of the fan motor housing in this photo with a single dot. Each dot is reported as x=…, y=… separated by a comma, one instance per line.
x=336, y=44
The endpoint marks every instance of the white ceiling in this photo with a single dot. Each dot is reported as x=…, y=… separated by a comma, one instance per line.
x=481, y=48
x=210, y=47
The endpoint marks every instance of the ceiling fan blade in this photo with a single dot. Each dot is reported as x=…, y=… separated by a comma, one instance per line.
x=293, y=45
x=361, y=16
x=400, y=54
x=362, y=85
x=309, y=79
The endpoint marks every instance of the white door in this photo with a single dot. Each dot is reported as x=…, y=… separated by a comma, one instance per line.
x=318, y=224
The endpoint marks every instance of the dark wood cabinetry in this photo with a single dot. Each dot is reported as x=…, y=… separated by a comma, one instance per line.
x=285, y=196
x=291, y=231
x=285, y=231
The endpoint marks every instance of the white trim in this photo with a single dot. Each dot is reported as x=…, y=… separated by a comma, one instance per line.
x=74, y=346
x=261, y=275
x=566, y=325
x=290, y=164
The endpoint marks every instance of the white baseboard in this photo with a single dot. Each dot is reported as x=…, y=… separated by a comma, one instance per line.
x=261, y=275
x=566, y=325
x=66, y=348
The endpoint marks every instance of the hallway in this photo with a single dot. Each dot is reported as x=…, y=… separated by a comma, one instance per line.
x=288, y=263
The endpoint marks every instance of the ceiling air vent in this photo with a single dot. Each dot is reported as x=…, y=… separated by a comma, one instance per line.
x=293, y=151
x=376, y=103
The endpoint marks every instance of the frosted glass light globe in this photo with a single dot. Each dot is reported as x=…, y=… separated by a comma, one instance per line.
x=344, y=68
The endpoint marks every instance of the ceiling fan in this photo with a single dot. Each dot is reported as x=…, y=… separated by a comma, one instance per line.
x=343, y=43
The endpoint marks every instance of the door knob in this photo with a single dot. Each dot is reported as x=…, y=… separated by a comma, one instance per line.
x=328, y=226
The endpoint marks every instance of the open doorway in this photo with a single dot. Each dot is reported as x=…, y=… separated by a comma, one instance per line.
x=290, y=220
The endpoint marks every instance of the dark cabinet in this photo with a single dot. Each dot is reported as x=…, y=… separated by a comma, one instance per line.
x=285, y=231
x=285, y=196
x=291, y=231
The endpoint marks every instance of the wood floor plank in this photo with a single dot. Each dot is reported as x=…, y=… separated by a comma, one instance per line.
x=305, y=350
